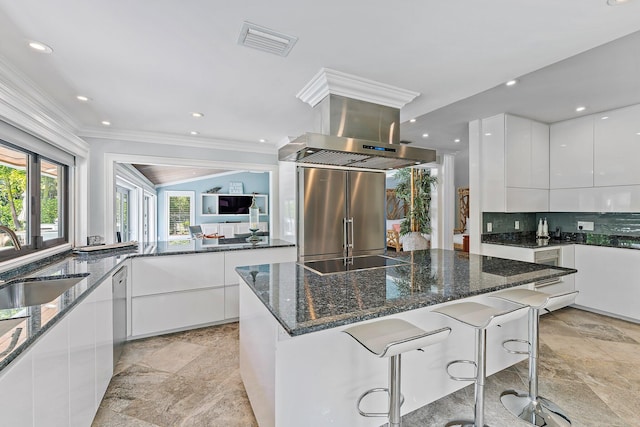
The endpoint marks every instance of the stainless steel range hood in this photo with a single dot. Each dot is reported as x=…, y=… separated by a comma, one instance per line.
x=354, y=133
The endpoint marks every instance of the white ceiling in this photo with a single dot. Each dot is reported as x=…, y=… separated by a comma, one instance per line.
x=147, y=64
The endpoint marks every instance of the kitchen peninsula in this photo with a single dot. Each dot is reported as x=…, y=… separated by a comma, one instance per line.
x=298, y=369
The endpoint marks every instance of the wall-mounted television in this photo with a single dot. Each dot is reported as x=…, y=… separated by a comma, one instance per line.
x=234, y=205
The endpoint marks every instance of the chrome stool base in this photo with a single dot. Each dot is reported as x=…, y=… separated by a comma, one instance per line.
x=540, y=412
x=467, y=423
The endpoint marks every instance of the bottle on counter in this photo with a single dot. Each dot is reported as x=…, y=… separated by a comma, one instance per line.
x=539, y=232
x=545, y=228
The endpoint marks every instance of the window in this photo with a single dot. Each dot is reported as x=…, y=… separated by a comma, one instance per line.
x=122, y=213
x=181, y=214
x=33, y=201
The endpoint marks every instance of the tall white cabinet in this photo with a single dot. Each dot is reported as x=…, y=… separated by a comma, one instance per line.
x=514, y=164
x=593, y=163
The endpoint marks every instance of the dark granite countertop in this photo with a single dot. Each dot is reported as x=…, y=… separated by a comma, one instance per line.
x=177, y=247
x=528, y=240
x=303, y=301
x=33, y=321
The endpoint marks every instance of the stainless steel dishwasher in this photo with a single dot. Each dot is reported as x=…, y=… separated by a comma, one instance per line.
x=119, y=283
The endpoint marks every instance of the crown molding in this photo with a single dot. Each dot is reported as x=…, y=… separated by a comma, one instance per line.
x=25, y=106
x=328, y=81
x=177, y=140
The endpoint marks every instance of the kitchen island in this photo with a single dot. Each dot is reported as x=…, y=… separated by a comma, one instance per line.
x=299, y=369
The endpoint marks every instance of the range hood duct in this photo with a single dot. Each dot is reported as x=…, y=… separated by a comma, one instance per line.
x=356, y=134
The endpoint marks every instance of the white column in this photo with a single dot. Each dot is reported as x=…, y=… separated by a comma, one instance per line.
x=446, y=181
x=475, y=213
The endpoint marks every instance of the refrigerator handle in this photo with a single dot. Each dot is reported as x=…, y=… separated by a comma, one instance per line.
x=345, y=243
x=351, y=240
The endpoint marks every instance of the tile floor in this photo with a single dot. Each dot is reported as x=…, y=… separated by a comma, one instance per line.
x=590, y=366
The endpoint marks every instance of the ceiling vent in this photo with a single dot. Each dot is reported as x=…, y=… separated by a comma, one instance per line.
x=266, y=40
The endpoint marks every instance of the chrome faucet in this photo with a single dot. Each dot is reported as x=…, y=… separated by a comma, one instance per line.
x=14, y=238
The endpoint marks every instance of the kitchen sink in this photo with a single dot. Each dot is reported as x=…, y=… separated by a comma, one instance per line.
x=36, y=290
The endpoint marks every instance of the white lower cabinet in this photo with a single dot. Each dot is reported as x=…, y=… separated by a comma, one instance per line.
x=103, y=302
x=16, y=392
x=178, y=292
x=608, y=280
x=61, y=379
x=82, y=362
x=166, y=312
x=231, y=302
x=51, y=377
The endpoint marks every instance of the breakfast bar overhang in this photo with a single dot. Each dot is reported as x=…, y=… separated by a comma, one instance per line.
x=298, y=367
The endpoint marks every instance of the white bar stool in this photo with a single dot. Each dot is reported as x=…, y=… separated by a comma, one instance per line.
x=390, y=338
x=531, y=407
x=480, y=317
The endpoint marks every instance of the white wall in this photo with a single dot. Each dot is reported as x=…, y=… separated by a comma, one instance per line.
x=104, y=152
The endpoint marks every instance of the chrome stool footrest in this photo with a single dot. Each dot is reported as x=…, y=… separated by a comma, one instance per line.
x=453, y=377
x=375, y=414
x=508, y=350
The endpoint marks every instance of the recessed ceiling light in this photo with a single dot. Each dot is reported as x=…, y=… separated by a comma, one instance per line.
x=511, y=82
x=425, y=135
x=456, y=140
x=197, y=115
x=263, y=140
x=82, y=98
x=106, y=122
x=604, y=117
x=40, y=47
x=412, y=121
x=637, y=133
x=487, y=134
x=194, y=132
x=580, y=108
x=616, y=2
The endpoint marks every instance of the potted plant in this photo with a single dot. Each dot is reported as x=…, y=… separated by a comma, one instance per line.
x=414, y=189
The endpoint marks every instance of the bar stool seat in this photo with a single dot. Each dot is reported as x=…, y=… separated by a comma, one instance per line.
x=390, y=338
x=529, y=406
x=480, y=317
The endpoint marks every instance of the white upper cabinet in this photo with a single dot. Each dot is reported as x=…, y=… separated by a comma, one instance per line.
x=514, y=164
x=571, y=154
x=527, y=146
x=617, y=147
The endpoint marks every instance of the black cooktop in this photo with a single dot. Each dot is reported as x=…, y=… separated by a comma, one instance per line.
x=342, y=265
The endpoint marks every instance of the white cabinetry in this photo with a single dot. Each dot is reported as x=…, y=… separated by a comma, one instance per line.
x=82, y=362
x=514, y=160
x=617, y=147
x=51, y=377
x=175, y=292
x=16, y=392
x=593, y=163
x=608, y=280
x=230, y=229
x=571, y=153
x=103, y=302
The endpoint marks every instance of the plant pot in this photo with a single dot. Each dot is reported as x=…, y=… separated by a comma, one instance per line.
x=414, y=241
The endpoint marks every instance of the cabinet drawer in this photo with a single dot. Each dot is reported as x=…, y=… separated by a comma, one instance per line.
x=166, y=312
x=156, y=275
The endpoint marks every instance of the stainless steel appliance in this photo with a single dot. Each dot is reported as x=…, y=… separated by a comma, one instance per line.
x=119, y=287
x=341, y=213
x=356, y=134
x=342, y=265
x=548, y=257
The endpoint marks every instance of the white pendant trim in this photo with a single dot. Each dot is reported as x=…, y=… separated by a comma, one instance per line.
x=328, y=81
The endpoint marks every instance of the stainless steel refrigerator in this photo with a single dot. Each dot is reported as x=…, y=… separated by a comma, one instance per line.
x=341, y=213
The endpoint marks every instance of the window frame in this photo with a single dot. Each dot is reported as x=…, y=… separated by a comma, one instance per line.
x=35, y=242
x=192, y=211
